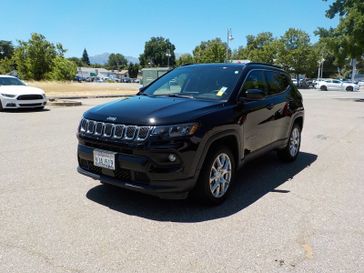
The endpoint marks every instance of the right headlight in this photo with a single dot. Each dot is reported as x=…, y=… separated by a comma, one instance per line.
x=8, y=95
x=177, y=130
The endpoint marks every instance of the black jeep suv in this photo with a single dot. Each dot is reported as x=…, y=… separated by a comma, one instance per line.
x=190, y=130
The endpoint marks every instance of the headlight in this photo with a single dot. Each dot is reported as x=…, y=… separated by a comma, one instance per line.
x=178, y=130
x=8, y=95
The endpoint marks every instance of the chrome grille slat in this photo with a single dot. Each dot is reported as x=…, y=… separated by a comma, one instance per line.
x=90, y=126
x=108, y=129
x=115, y=131
x=130, y=132
x=99, y=128
x=118, y=131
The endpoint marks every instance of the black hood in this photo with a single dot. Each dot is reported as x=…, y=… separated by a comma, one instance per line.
x=164, y=110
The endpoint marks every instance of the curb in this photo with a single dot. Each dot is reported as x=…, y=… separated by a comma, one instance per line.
x=51, y=99
x=65, y=103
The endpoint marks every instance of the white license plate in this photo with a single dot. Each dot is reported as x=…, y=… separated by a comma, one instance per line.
x=104, y=159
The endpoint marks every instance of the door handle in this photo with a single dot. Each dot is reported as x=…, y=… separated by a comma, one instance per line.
x=270, y=106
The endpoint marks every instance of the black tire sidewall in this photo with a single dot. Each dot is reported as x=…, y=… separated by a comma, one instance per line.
x=203, y=192
x=285, y=154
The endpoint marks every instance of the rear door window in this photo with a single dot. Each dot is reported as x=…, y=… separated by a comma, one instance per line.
x=277, y=82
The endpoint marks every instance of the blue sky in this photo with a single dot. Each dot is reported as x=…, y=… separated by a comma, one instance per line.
x=123, y=26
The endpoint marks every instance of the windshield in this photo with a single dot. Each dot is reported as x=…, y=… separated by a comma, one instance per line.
x=198, y=82
x=10, y=81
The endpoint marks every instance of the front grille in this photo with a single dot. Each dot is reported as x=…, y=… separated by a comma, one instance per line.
x=30, y=104
x=30, y=97
x=119, y=173
x=116, y=131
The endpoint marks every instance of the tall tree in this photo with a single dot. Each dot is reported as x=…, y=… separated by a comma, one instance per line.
x=185, y=59
x=133, y=70
x=116, y=61
x=347, y=39
x=6, y=49
x=85, y=59
x=158, y=51
x=296, y=53
x=34, y=58
x=260, y=48
x=212, y=51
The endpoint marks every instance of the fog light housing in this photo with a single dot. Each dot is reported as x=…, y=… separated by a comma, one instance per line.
x=172, y=157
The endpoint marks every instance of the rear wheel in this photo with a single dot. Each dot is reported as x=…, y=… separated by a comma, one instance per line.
x=291, y=151
x=216, y=177
x=323, y=88
x=349, y=88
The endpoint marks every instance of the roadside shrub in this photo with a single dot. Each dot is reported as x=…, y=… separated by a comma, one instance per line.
x=62, y=70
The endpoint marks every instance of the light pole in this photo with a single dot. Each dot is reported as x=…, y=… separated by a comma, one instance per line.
x=229, y=37
x=168, y=54
x=320, y=68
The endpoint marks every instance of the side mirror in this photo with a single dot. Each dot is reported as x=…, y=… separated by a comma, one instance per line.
x=253, y=94
x=141, y=89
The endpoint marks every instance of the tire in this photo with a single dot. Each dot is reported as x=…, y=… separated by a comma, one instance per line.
x=1, y=106
x=291, y=151
x=349, y=88
x=214, y=191
x=323, y=88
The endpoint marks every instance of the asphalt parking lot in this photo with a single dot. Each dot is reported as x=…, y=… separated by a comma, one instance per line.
x=306, y=216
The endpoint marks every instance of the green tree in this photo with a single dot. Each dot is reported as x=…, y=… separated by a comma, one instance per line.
x=62, y=69
x=212, y=51
x=34, y=58
x=85, y=59
x=260, y=48
x=185, y=59
x=296, y=53
x=6, y=65
x=76, y=60
x=346, y=41
x=116, y=61
x=133, y=70
x=6, y=49
x=157, y=52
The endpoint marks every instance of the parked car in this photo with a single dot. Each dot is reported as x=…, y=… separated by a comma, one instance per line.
x=191, y=129
x=333, y=84
x=126, y=79
x=16, y=94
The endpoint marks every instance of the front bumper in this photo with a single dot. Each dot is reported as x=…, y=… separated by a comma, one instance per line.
x=142, y=170
x=14, y=103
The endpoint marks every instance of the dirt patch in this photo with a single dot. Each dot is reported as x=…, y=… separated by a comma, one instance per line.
x=53, y=88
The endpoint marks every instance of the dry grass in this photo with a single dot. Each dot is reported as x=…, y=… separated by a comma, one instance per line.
x=53, y=88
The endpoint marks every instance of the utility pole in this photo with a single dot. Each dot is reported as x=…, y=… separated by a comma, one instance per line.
x=353, y=62
x=229, y=37
x=168, y=54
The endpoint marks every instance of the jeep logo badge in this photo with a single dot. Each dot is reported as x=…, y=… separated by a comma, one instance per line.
x=111, y=118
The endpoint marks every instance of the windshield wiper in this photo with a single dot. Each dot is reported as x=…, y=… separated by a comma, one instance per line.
x=180, y=96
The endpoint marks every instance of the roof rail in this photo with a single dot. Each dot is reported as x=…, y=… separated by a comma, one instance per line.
x=257, y=63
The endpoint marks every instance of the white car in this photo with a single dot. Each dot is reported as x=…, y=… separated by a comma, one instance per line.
x=15, y=94
x=332, y=84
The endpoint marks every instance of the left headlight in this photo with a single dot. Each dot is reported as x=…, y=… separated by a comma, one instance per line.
x=8, y=95
x=177, y=130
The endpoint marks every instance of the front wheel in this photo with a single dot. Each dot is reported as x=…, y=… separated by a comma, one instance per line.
x=349, y=88
x=323, y=88
x=291, y=151
x=216, y=177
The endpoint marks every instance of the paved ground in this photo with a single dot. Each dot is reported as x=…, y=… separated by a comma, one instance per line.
x=301, y=217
